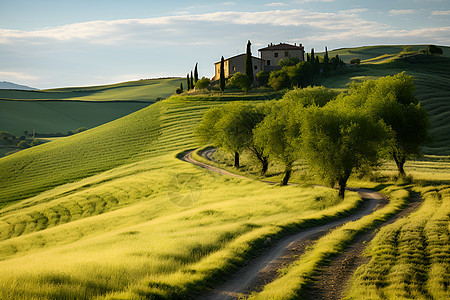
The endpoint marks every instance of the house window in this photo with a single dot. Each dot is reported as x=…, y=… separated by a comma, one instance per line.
x=286, y=53
x=234, y=68
x=256, y=67
x=275, y=54
x=268, y=62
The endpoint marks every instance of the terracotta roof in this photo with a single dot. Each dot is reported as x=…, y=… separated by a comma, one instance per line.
x=282, y=46
x=243, y=54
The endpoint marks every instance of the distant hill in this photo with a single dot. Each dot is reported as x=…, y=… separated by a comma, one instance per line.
x=145, y=90
x=14, y=86
x=61, y=110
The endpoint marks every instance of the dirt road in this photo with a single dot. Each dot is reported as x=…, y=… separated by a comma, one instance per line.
x=278, y=253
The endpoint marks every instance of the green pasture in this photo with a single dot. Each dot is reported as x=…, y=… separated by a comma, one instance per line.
x=60, y=116
x=145, y=90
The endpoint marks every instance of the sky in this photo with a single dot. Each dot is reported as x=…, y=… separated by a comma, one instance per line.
x=60, y=43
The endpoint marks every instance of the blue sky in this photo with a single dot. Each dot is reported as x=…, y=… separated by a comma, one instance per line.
x=61, y=43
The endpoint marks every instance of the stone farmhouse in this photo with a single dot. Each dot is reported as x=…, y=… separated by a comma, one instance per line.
x=236, y=64
x=268, y=60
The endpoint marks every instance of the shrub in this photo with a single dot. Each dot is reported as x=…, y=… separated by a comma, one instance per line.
x=355, y=61
x=203, y=83
x=241, y=81
x=279, y=80
x=178, y=91
x=35, y=142
x=263, y=78
x=23, y=145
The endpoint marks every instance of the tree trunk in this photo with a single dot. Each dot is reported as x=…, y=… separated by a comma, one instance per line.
x=265, y=166
x=287, y=174
x=236, y=160
x=263, y=159
x=342, y=182
x=400, y=162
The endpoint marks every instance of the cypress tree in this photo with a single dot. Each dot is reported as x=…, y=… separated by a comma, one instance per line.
x=248, y=62
x=181, y=86
x=326, y=62
x=308, y=58
x=192, y=81
x=317, y=65
x=195, y=73
x=222, y=74
x=188, y=82
x=313, y=61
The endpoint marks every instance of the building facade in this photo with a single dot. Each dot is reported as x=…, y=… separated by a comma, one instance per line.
x=268, y=61
x=272, y=54
x=236, y=64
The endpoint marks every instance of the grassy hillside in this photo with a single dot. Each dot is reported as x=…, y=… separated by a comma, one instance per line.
x=82, y=106
x=130, y=226
x=146, y=90
x=59, y=116
x=374, y=54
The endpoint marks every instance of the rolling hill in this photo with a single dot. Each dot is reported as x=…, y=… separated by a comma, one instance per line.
x=61, y=110
x=112, y=213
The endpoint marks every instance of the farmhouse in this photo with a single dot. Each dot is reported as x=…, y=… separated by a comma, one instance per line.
x=268, y=60
x=272, y=54
x=236, y=64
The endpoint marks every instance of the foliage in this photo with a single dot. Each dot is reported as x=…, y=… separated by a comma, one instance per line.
x=326, y=62
x=279, y=133
x=240, y=81
x=434, y=50
x=231, y=127
x=188, y=80
x=23, y=145
x=355, y=61
x=337, y=141
x=263, y=78
x=288, y=62
x=317, y=95
x=203, y=83
x=279, y=80
x=195, y=74
x=222, y=75
x=249, y=63
x=392, y=100
x=300, y=74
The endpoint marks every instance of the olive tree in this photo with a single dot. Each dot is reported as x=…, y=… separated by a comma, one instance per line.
x=392, y=100
x=279, y=133
x=337, y=141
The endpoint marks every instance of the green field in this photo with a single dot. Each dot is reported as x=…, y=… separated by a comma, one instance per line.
x=61, y=110
x=112, y=212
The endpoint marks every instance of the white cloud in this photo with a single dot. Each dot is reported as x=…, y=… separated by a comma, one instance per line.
x=275, y=4
x=305, y=1
x=354, y=10
x=229, y=3
x=395, y=12
x=440, y=12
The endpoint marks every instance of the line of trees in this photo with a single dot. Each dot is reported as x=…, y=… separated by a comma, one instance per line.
x=334, y=134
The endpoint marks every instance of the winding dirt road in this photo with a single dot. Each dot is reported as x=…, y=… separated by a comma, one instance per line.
x=262, y=269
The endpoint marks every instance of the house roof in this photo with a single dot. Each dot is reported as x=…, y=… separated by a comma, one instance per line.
x=242, y=54
x=282, y=46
